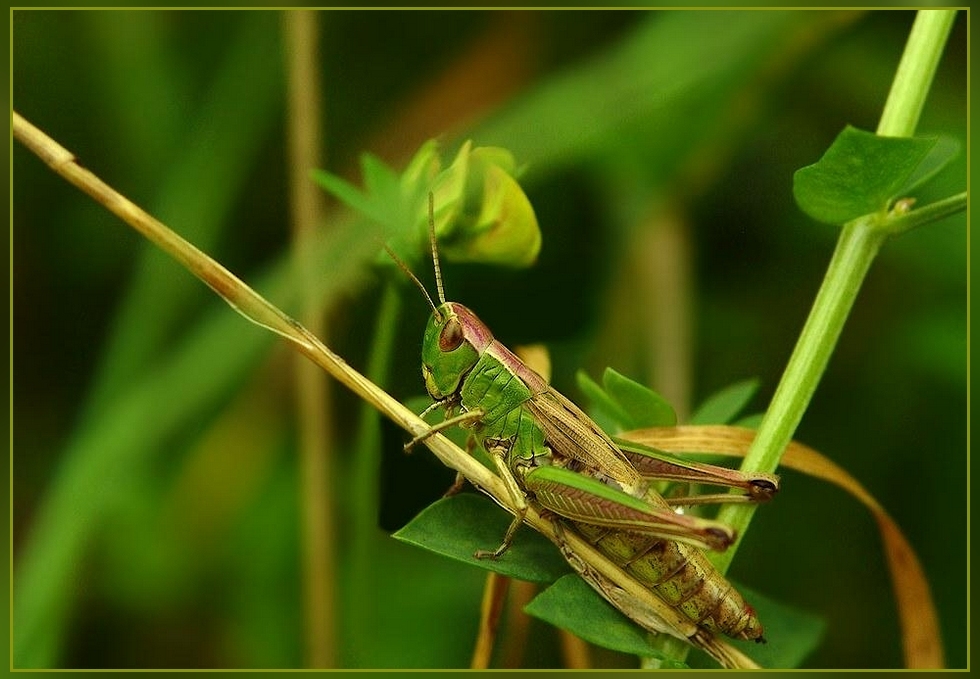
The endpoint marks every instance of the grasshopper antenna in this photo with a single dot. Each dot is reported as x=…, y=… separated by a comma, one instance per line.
x=408, y=272
x=435, y=251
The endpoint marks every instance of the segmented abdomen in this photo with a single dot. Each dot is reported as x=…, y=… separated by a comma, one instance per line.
x=681, y=576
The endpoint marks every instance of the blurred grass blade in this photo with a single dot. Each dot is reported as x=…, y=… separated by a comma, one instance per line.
x=198, y=192
x=138, y=65
x=921, y=640
x=495, y=590
x=315, y=417
x=652, y=79
x=204, y=369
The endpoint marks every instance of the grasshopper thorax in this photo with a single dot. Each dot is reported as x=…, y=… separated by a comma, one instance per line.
x=454, y=340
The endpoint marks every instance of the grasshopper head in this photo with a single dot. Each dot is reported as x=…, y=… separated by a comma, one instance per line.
x=453, y=342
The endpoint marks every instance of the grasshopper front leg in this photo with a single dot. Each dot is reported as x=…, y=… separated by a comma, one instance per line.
x=462, y=418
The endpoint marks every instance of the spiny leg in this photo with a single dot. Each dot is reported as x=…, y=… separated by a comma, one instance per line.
x=655, y=464
x=685, y=494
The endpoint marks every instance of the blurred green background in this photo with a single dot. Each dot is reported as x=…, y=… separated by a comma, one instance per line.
x=156, y=511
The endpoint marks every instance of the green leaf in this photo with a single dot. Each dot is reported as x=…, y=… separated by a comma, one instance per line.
x=347, y=193
x=380, y=181
x=859, y=174
x=724, y=405
x=572, y=605
x=605, y=411
x=460, y=525
x=791, y=634
x=644, y=407
x=750, y=421
x=381, y=200
x=945, y=150
x=383, y=186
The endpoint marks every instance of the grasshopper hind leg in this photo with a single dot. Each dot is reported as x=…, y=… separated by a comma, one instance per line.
x=499, y=451
x=508, y=538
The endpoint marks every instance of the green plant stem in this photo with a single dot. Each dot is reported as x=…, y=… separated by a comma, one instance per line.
x=857, y=246
x=896, y=224
x=365, y=472
x=367, y=461
x=913, y=77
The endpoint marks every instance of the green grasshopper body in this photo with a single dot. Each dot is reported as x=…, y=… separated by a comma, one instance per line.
x=548, y=451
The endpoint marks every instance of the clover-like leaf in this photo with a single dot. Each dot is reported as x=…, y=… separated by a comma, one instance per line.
x=861, y=173
x=724, y=405
x=945, y=149
x=460, y=525
x=645, y=407
x=607, y=413
x=574, y=606
x=791, y=634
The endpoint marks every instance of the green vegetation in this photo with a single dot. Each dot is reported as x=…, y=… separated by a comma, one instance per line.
x=156, y=488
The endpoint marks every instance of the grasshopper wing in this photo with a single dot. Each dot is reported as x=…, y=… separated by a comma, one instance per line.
x=575, y=436
x=588, y=500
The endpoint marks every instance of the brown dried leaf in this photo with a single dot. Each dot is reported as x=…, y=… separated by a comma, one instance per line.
x=917, y=614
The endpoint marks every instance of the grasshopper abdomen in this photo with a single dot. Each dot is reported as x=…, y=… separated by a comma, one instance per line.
x=682, y=577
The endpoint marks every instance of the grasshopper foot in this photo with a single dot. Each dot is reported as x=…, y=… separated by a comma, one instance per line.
x=492, y=555
x=497, y=553
x=415, y=441
x=508, y=538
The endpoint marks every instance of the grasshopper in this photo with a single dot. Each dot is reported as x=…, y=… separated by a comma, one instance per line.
x=548, y=452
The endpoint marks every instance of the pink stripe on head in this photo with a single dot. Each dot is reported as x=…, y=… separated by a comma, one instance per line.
x=478, y=334
x=475, y=331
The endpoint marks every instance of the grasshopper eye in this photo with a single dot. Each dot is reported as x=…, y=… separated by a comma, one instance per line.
x=451, y=336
